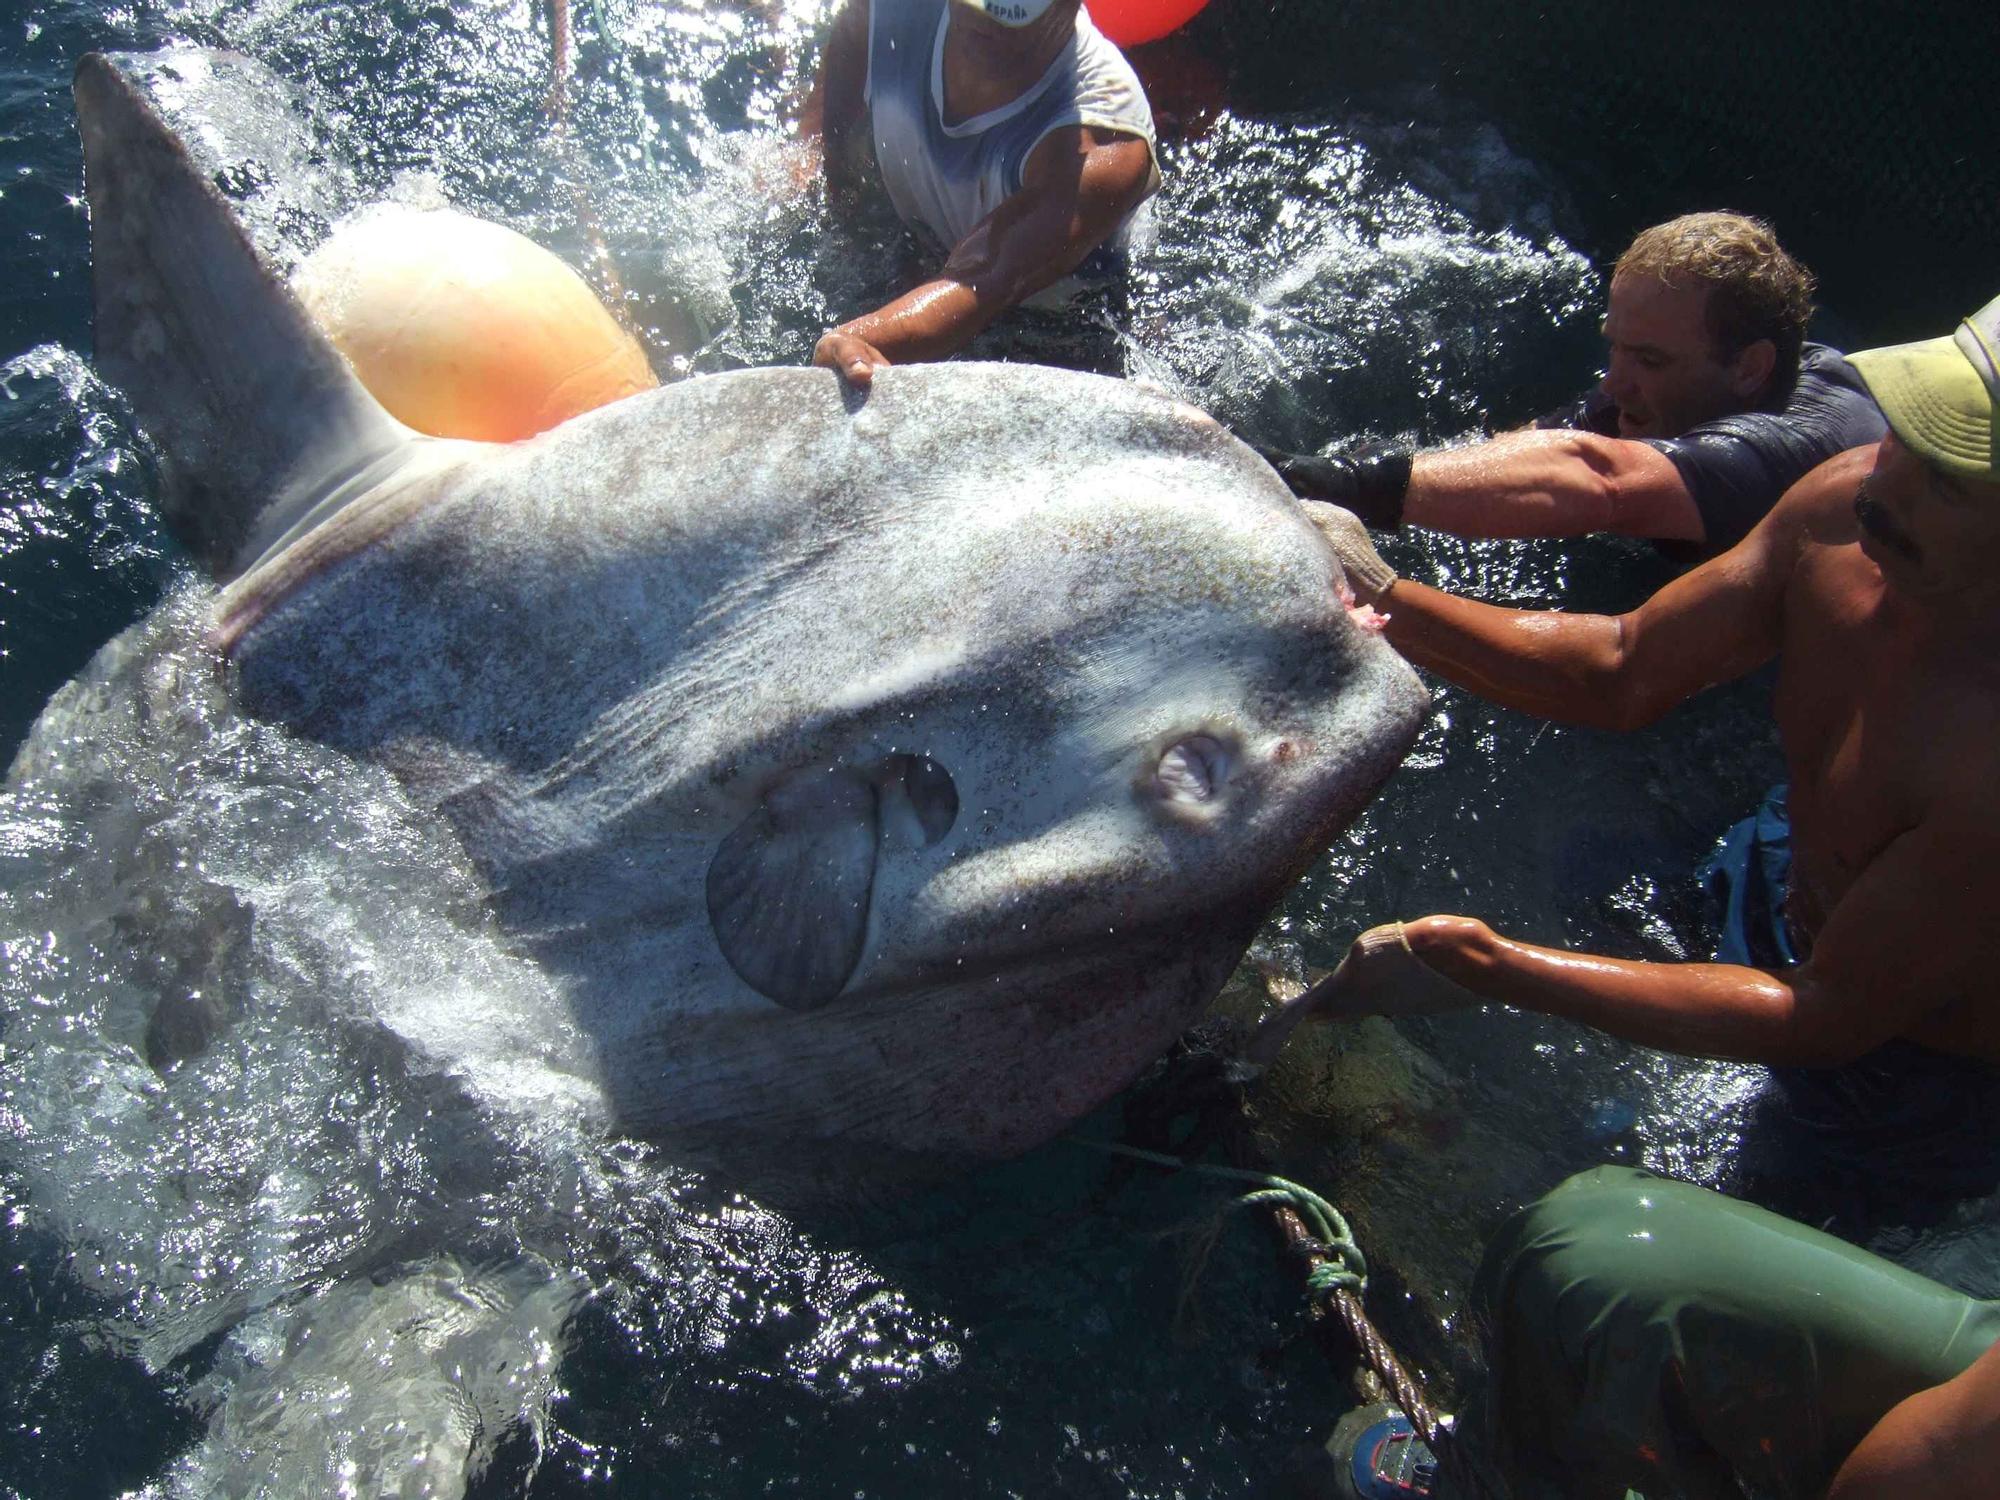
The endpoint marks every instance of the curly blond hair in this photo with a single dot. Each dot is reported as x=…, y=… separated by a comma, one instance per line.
x=1756, y=290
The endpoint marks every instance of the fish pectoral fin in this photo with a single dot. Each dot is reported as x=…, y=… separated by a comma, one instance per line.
x=918, y=801
x=789, y=888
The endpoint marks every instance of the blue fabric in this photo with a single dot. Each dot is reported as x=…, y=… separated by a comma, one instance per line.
x=1892, y=1138
x=1748, y=875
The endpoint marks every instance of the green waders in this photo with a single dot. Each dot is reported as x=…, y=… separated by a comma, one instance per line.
x=1650, y=1336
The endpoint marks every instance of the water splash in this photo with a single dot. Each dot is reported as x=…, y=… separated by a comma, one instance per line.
x=283, y=1056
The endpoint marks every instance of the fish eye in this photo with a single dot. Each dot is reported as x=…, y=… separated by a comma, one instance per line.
x=1194, y=769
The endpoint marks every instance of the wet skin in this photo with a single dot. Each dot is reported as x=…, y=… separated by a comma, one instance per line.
x=1888, y=704
x=1662, y=366
x=1888, y=700
x=1943, y=1443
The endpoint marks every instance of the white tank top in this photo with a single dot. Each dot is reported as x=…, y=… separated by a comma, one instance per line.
x=946, y=178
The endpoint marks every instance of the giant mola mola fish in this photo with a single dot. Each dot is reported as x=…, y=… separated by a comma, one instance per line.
x=882, y=782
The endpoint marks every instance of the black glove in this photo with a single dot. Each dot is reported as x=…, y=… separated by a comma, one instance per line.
x=1369, y=480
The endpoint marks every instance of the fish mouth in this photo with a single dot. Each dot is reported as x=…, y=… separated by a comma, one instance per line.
x=1883, y=527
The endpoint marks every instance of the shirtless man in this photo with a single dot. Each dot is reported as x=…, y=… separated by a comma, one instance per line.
x=1010, y=132
x=1876, y=584
x=1647, y=1333
x=1712, y=405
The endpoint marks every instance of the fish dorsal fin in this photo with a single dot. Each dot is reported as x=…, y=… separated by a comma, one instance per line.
x=789, y=889
x=257, y=416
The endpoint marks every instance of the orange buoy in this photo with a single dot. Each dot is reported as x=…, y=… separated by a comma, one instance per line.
x=463, y=328
x=1128, y=23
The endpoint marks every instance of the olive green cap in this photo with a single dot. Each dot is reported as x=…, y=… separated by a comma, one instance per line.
x=1942, y=396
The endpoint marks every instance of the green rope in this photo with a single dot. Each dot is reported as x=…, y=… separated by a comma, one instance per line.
x=1343, y=1268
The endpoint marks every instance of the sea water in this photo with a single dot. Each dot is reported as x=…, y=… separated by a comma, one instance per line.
x=330, y=1097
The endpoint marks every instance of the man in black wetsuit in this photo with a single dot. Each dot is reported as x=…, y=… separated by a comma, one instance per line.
x=1711, y=407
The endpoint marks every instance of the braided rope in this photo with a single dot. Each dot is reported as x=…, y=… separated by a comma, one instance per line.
x=1336, y=1277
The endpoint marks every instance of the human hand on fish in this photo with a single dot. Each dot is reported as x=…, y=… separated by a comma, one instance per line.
x=1381, y=976
x=851, y=356
x=1370, y=480
x=1368, y=575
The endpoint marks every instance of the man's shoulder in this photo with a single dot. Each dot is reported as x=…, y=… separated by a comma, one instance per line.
x=1827, y=411
x=1826, y=382
x=1813, y=524
x=1100, y=90
x=1823, y=498
x=1098, y=108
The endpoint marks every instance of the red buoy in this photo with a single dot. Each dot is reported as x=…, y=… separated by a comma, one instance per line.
x=1128, y=23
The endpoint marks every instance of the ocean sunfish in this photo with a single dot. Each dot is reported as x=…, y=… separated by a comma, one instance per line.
x=883, y=782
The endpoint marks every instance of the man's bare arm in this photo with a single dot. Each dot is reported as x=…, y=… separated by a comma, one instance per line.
x=1710, y=625
x=1077, y=187
x=1618, y=672
x=1554, y=483
x=1905, y=952
x=1609, y=672
x=1943, y=1443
